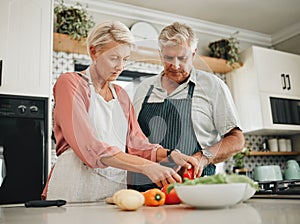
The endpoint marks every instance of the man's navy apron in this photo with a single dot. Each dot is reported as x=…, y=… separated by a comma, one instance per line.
x=169, y=124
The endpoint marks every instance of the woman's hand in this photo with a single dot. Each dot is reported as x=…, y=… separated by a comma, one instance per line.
x=157, y=173
x=161, y=175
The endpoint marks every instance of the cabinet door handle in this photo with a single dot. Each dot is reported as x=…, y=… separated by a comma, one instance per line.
x=288, y=81
x=283, y=81
x=1, y=61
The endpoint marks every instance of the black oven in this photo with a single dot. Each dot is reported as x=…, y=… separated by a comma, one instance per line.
x=24, y=148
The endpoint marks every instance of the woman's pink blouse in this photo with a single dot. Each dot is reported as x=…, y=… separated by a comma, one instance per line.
x=73, y=128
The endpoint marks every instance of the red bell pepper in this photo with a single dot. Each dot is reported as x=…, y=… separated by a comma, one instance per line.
x=171, y=197
x=189, y=174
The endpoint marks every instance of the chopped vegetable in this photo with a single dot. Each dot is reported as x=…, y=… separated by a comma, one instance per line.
x=154, y=197
x=235, y=178
x=217, y=179
x=189, y=174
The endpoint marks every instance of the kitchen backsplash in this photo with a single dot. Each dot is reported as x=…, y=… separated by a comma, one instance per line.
x=63, y=62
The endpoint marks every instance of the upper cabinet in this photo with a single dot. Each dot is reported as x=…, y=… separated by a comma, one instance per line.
x=25, y=47
x=266, y=91
x=277, y=72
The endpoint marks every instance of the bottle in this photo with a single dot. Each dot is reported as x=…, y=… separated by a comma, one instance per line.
x=264, y=146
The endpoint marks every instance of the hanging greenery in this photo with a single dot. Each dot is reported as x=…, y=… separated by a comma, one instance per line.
x=72, y=20
x=226, y=48
x=239, y=158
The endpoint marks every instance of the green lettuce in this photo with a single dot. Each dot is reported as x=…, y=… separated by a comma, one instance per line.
x=217, y=179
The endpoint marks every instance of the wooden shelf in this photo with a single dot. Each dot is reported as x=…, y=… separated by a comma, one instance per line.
x=62, y=42
x=274, y=153
x=204, y=63
x=216, y=65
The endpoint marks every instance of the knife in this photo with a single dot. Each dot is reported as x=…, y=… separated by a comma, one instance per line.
x=45, y=203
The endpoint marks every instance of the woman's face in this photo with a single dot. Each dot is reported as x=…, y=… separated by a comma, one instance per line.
x=178, y=62
x=110, y=61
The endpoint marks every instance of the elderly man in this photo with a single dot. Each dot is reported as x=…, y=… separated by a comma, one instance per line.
x=186, y=109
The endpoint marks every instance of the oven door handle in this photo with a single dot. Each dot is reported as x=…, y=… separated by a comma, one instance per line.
x=44, y=152
x=2, y=166
x=1, y=65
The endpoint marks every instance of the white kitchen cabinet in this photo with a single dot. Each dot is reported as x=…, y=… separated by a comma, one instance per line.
x=26, y=47
x=277, y=72
x=267, y=74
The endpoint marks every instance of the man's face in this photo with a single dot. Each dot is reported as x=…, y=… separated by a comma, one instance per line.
x=178, y=61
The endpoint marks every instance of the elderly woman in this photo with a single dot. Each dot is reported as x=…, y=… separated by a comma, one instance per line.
x=97, y=134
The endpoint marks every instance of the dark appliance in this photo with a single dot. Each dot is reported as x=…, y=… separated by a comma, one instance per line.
x=279, y=189
x=126, y=75
x=23, y=140
x=285, y=111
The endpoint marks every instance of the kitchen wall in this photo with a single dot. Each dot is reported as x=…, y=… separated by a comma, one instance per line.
x=63, y=62
x=206, y=32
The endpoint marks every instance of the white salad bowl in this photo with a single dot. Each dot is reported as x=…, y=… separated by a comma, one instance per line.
x=214, y=195
x=249, y=192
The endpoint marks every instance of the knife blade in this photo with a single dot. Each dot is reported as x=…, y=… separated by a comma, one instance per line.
x=44, y=203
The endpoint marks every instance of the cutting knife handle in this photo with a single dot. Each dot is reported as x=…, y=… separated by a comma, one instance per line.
x=45, y=203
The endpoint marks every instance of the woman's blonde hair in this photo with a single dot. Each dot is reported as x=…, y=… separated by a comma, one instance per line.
x=107, y=32
x=178, y=33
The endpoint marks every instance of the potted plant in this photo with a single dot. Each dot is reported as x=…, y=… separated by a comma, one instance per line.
x=239, y=160
x=72, y=20
x=226, y=48
x=71, y=27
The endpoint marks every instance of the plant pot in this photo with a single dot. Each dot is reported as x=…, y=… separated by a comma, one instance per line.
x=64, y=43
x=226, y=49
x=219, y=49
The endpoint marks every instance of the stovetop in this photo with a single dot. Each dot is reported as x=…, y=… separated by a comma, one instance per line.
x=279, y=189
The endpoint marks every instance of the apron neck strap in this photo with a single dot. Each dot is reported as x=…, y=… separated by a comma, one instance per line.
x=148, y=94
x=191, y=90
x=189, y=95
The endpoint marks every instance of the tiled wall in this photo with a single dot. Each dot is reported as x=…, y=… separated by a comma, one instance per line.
x=63, y=62
x=255, y=143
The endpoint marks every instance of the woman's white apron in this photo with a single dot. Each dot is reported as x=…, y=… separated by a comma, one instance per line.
x=73, y=181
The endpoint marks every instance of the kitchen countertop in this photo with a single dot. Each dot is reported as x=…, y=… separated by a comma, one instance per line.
x=281, y=211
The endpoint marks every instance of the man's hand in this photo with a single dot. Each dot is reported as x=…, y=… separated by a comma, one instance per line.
x=187, y=162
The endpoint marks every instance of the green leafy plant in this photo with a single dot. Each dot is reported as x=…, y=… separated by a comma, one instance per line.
x=239, y=158
x=72, y=20
x=226, y=48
